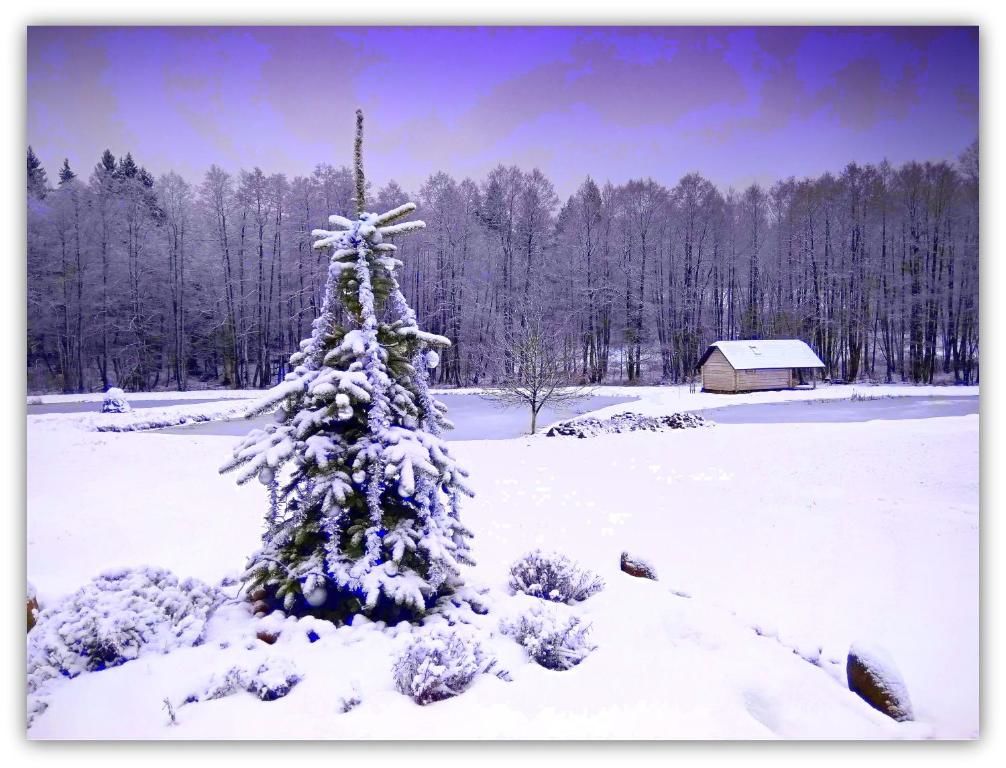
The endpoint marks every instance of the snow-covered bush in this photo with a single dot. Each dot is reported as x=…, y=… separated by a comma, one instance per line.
x=271, y=680
x=115, y=401
x=114, y=619
x=440, y=663
x=552, y=642
x=553, y=577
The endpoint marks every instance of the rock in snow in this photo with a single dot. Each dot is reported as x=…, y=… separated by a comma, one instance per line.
x=267, y=637
x=637, y=567
x=32, y=606
x=626, y=422
x=875, y=679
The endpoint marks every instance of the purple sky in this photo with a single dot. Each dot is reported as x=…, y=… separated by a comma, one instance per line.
x=736, y=104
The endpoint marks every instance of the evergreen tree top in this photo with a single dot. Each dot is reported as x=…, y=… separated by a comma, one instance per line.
x=65, y=174
x=107, y=162
x=37, y=180
x=127, y=167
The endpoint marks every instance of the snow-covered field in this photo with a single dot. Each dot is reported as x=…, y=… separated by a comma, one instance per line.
x=193, y=394
x=815, y=535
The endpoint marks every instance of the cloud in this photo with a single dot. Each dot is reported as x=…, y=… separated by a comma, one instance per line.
x=690, y=74
x=67, y=103
x=575, y=100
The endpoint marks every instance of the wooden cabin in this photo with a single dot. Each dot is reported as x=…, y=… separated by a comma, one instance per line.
x=752, y=365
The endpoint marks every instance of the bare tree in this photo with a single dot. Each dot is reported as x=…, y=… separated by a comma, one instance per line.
x=146, y=283
x=536, y=375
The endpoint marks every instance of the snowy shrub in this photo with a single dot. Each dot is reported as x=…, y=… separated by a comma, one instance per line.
x=861, y=397
x=439, y=664
x=115, y=401
x=37, y=705
x=114, y=619
x=553, y=577
x=345, y=705
x=273, y=679
x=465, y=606
x=552, y=642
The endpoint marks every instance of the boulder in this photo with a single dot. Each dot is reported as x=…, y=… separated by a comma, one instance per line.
x=267, y=637
x=32, y=611
x=638, y=567
x=257, y=594
x=260, y=608
x=875, y=679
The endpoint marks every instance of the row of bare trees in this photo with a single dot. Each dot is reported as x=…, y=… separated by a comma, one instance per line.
x=145, y=283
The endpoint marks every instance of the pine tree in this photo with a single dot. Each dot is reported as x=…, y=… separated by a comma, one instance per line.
x=37, y=181
x=107, y=165
x=65, y=174
x=364, y=494
x=127, y=167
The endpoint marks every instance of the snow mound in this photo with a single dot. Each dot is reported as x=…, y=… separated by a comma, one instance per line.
x=115, y=401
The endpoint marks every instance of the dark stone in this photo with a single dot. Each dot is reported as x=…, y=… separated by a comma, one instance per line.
x=637, y=567
x=878, y=685
x=260, y=608
x=267, y=637
x=32, y=611
x=257, y=594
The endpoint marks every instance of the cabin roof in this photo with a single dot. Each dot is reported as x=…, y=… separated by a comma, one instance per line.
x=750, y=354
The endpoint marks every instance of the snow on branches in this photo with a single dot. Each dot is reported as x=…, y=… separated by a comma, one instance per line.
x=364, y=494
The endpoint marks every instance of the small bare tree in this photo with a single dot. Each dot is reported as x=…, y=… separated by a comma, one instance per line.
x=532, y=369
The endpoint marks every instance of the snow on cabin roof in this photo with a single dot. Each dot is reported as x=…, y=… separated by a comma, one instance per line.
x=748, y=354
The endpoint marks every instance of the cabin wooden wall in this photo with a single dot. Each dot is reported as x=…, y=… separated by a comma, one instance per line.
x=764, y=378
x=717, y=374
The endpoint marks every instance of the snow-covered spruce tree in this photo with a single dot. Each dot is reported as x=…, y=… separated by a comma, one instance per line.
x=364, y=494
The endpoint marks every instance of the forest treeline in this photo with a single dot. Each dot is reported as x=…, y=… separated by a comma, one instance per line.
x=145, y=282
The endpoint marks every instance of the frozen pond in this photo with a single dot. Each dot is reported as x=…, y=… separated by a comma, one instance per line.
x=94, y=406
x=474, y=417
x=811, y=411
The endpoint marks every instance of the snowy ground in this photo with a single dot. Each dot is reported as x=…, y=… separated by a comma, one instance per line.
x=819, y=535
x=165, y=395
x=91, y=406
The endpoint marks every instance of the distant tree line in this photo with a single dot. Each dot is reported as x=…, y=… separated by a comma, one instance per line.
x=146, y=282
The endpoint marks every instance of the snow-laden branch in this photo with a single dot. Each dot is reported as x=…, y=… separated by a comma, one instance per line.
x=407, y=226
